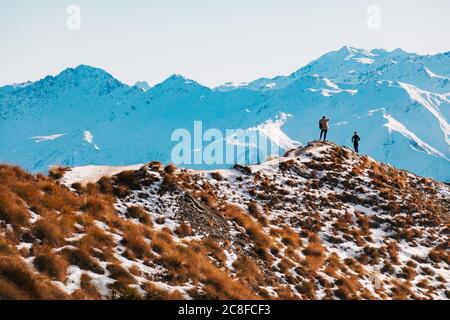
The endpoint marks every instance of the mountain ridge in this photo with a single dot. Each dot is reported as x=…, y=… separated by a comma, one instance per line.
x=412, y=91
x=321, y=222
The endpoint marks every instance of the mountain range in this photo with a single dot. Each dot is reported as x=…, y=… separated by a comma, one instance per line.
x=399, y=103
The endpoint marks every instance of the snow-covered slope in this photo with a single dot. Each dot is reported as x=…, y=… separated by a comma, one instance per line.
x=321, y=222
x=353, y=65
x=399, y=103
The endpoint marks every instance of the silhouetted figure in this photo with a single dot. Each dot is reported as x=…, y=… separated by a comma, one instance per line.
x=355, y=140
x=323, y=125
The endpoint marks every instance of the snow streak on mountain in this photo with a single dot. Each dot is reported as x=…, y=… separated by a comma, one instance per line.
x=399, y=103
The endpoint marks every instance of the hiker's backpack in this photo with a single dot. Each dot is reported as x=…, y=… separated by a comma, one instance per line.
x=320, y=124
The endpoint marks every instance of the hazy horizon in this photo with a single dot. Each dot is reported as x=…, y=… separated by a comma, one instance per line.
x=210, y=42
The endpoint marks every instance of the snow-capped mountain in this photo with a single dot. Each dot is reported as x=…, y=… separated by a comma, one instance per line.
x=398, y=102
x=354, y=66
x=143, y=85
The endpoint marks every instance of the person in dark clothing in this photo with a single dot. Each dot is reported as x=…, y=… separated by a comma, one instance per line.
x=323, y=126
x=355, y=140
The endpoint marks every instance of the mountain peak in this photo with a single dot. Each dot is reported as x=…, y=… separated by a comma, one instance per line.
x=85, y=71
x=91, y=78
x=178, y=80
x=143, y=85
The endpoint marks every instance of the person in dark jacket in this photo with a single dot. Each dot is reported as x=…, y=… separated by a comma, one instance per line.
x=323, y=126
x=355, y=140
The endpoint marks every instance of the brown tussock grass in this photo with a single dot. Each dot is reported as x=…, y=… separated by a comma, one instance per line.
x=184, y=230
x=88, y=289
x=48, y=231
x=82, y=259
x=12, y=208
x=97, y=207
x=154, y=292
x=135, y=241
x=17, y=281
x=119, y=273
x=247, y=270
x=347, y=287
x=252, y=227
x=48, y=262
x=57, y=172
x=170, y=168
x=139, y=213
x=315, y=253
x=217, y=176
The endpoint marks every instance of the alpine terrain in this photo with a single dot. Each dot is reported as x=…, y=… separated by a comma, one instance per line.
x=397, y=101
x=319, y=222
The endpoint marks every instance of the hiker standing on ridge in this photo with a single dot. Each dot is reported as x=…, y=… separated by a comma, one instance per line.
x=323, y=125
x=355, y=140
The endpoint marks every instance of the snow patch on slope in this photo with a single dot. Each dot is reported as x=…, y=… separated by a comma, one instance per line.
x=394, y=125
x=426, y=99
x=89, y=138
x=433, y=75
x=39, y=139
x=364, y=60
x=91, y=174
x=272, y=130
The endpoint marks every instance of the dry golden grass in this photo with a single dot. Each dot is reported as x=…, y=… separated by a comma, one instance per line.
x=401, y=290
x=254, y=210
x=139, y=213
x=47, y=262
x=128, y=179
x=82, y=259
x=408, y=273
x=347, y=287
x=12, y=208
x=392, y=249
x=48, y=231
x=219, y=286
x=315, y=253
x=64, y=214
x=57, y=207
x=120, y=291
x=96, y=238
x=288, y=236
x=57, y=172
x=254, y=229
x=183, y=230
x=88, y=289
x=217, y=176
x=97, y=207
x=155, y=293
x=17, y=281
x=134, y=240
x=208, y=198
x=192, y=264
x=439, y=255
x=119, y=273
x=170, y=168
x=105, y=185
x=248, y=271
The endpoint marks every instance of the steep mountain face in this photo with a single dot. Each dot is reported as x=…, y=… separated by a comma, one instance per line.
x=319, y=223
x=355, y=66
x=397, y=101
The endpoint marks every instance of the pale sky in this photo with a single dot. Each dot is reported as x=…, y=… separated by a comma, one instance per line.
x=210, y=41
